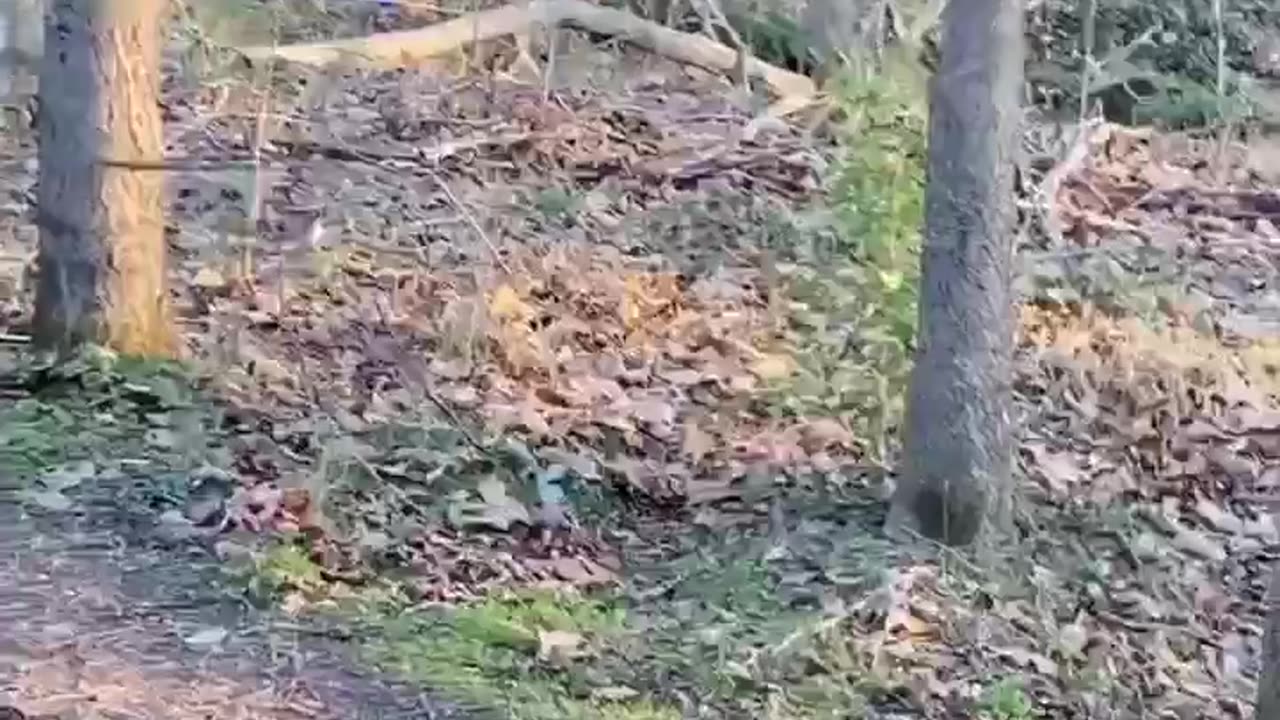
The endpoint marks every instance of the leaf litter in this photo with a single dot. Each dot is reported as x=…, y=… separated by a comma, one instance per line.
x=452, y=331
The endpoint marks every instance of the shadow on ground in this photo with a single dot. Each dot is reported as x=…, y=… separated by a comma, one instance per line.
x=101, y=620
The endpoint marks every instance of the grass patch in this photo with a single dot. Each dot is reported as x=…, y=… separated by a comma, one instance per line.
x=281, y=568
x=753, y=628
x=1006, y=700
x=724, y=625
x=527, y=656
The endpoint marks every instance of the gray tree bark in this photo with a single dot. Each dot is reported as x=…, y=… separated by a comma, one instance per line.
x=1268, y=699
x=958, y=442
x=21, y=33
x=102, y=269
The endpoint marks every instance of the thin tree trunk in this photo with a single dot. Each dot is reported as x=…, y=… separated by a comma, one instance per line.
x=1268, y=698
x=958, y=444
x=8, y=52
x=21, y=29
x=102, y=244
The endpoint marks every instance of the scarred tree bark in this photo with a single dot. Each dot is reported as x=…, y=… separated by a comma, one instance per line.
x=102, y=245
x=958, y=444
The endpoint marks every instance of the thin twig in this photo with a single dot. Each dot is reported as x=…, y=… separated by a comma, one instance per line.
x=180, y=164
x=471, y=220
x=715, y=15
x=1074, y=157
x=418, y=370
x=1225, y=130
x=553, y=48
x=1086, y=71
x=453, y=418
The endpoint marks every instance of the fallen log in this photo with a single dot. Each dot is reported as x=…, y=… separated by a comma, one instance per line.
x=409, y=47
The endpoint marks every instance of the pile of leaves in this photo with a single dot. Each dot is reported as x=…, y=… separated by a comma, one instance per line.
x=449, y=322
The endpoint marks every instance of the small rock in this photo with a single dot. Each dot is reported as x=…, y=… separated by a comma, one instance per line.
x=50, y=500
x=205, y=510
x=211, y=487
x=231, y=551
x=209, y=474
x=206, y=638
x=174, y=527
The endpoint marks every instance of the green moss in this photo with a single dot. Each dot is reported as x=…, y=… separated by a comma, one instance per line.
x=486, y=655
x=1006, y=700
x=284, y=567
x=35, y=435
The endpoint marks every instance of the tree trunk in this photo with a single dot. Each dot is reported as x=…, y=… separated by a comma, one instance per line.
x=1268, y=698
x=958, y=444
x=102, y=243
x=21, y=31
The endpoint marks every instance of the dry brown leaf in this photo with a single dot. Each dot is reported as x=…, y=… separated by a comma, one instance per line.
x=209, y=279
x=1059, y=472
x=774, y=366
x=903, y=624
x=614, y=693
x=559, y=647
x=571, y=570
x=507, y=305
x=659, y=415
x=704, y=491
x=1217, y=517
x=1029, y=659
x=824, y=433
x=696, y=443
x=1072, y=638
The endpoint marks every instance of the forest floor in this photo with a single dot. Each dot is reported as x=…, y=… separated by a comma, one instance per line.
x=513, y=398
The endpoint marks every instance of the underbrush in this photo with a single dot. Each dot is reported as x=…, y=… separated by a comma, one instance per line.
x=99, y=408
x=854, y=298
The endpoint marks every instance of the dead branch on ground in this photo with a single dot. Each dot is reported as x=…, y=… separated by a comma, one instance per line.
x=407, y=47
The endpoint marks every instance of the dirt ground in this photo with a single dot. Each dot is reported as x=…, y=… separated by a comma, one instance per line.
x=101, y=623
